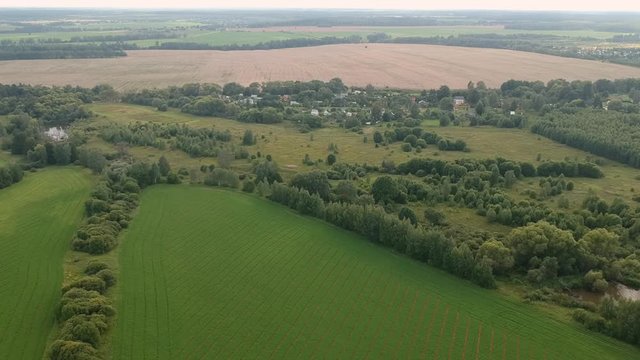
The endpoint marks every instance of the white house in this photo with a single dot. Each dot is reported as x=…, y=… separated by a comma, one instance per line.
x=315, y=112
x=458, y=100
x=56, y=134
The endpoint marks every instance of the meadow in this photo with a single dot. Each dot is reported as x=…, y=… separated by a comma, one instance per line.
x=402, y=66
x=38, y=217
x=280, y=139
x=216, y=274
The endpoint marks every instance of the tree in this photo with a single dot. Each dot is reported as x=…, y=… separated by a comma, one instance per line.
x=483, y=274
x=38, y=155
x=543, y=240
x=315, y=182
x=598, y=247
x=434, y=216
x=248, y=138
x=163, y=165
x=331, y=159
x=62, y=153
x=232, y=89
x=443, y=92
x=266, y=170
x=346, y=192
x=480, y=108
x=446, y=104
x=408, y=214
x=377, y=137
x=386, y=190
x=498, y=255
x=510, y=179
x=225, y=158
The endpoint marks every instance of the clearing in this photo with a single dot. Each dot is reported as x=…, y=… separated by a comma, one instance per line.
x=392, y=65
x=38, y=217
x=207, y=273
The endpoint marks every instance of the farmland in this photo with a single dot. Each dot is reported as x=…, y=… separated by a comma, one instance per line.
x=382, y=65
x=286, y=286
x=38, y=217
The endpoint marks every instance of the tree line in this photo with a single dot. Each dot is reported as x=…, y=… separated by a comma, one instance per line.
x=267, y=45
x=86, y=311
x=33, y=51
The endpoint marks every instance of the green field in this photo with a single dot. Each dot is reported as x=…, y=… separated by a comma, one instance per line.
x=38, y=217
x=252, y=37
x=215, y=274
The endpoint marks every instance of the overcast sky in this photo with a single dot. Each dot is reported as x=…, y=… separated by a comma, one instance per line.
x=574, y=5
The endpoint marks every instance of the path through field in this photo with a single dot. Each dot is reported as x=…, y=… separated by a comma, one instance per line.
x=393, y=65
x=37, y=219
x=211, y=274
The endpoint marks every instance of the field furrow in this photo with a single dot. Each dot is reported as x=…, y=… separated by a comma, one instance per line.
x=209, y=274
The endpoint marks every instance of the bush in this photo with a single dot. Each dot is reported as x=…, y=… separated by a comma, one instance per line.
x=72, y=350
x=89, y=283
x=85, y=328
x=78, y=301
x=173, y=179
x=248, y=186
x=94, y=267
x=590, y=320
x=107, y=276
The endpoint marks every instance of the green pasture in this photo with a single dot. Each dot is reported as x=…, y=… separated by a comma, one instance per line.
x=37, y=219
x=206, y=273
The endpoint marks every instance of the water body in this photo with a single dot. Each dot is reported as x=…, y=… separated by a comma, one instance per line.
x=617, y=291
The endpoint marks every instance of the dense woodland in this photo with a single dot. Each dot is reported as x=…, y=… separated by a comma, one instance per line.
x=551, y=250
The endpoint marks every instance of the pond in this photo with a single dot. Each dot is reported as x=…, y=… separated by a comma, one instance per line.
x=617, y=291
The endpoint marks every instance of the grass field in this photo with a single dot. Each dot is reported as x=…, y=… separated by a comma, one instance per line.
x=38, y=217
x=393, y=65
x=214, y=274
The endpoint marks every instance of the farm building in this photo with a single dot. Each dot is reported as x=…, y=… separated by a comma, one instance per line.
x=458, y=100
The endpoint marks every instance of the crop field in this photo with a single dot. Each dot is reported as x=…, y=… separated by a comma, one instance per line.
x=38, y=217
x=273, y=284
x=392, y=65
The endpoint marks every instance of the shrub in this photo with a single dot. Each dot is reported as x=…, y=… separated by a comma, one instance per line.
x=85, y=328
x=94, y=267
x=72, y=350
x=77, y=301
x=248, y=186
x=89, y=283
x=107, y=276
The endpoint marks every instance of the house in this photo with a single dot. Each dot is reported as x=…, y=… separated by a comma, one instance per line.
x=56, y=134
x=423, y=103
x=294, y=103
x=326, y=113
x=458, y=100
x=315, y=112
x=512, y=113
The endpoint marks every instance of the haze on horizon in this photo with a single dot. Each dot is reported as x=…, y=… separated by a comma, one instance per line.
x=540, y=5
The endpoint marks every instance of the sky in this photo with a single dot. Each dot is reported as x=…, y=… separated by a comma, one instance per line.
x=570, y=5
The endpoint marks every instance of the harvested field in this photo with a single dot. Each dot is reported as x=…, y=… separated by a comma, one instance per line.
x=393, y=65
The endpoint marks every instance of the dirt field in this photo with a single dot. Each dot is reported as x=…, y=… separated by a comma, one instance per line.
x=397, y=66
